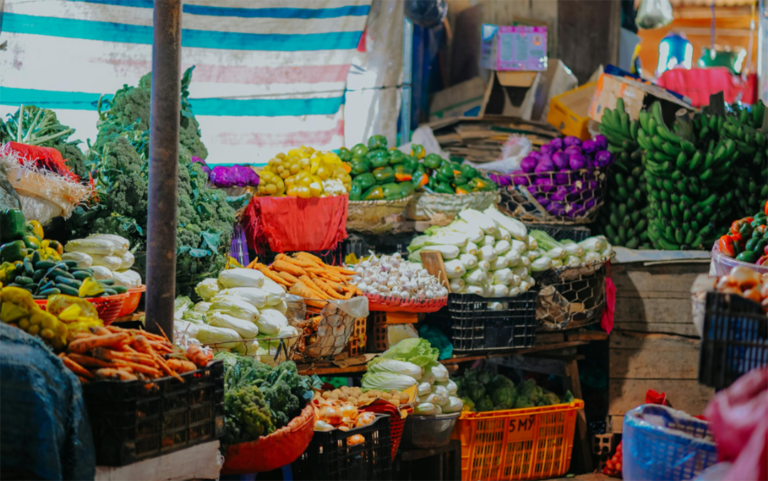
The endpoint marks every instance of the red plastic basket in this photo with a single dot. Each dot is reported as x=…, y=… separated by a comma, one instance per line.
x=396, y=304
x=396, y=420
x=132, y=301
x=108, y=307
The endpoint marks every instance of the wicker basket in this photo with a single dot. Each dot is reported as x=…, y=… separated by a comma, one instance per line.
x=375, y=216
x=533, y=204
x=441, y=209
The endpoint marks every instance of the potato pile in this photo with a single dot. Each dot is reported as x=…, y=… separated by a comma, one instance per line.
x=356, y=396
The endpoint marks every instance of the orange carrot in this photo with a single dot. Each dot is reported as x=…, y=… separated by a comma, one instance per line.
x=108, y=355
x=77, y=368
x=140, y=368
x=119, y=374
x=82, y=380
x=273, y=276
x=100, y=331
x=288, y=277
x=308, y=256
x=327, y=289
x=142, y=345
x=81, y=346
x=196, y=355
x=300, y=289
x=88, y=361
x=303, y=263
x=181, y=366
x=314, y=287
x=289, y=268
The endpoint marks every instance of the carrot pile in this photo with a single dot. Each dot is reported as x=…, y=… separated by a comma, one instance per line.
x=308, y=276
x=128, y=355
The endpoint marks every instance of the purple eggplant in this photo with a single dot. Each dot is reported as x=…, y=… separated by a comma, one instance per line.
x=573, y=149
x=543, y=200
x=571, y=141
x=560, y=159
x=560, y=194
x=545, y=184
x=547, y=149
x=556, y=144
x=535, y=154
x=577, y=162
x=590, y=146
x=528, y=164
x=533, y=189
x=556, y=208
x=545, y=165
x=602, y=141
x=520, y=178
x=603, y=159
x=562, y=178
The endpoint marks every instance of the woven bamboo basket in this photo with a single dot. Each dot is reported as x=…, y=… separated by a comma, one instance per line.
x=375, y=216
x=441, y=209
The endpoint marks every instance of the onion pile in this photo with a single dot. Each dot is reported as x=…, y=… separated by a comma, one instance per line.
x=392, y=276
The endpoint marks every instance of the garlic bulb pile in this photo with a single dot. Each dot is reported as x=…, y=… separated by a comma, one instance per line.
x=392, y=276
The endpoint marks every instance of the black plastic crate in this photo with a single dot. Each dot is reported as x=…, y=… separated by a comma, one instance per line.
x=473, y=326
x=560, y=232
x=734, y=340
x=135, y=420
x=328, y=456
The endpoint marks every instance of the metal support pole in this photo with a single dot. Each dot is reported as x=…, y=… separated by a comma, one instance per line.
x=163, y=166
x=405, y=103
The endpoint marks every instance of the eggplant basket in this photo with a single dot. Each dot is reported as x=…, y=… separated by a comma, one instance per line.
x=563, y=197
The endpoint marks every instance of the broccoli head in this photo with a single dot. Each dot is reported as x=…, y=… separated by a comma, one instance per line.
x=549, y=399
x=522, y=402
x=246, y=415
x=485, y=404
x=474, y=390
x=283, y=405
x=568, y=397
x=526, y=388
x=503, y=397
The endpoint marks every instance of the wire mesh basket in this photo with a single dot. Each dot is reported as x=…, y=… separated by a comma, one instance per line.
x=576, y=233
x=571, y=297
x=326, y=330
x=565, y=197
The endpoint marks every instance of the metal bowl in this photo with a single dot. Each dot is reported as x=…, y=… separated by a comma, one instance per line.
x=426, y=432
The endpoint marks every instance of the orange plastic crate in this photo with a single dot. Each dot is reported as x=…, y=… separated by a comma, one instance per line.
x=530, y=443
x=358, y=339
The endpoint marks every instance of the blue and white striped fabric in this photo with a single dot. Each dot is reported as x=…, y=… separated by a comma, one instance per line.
x=270, y=75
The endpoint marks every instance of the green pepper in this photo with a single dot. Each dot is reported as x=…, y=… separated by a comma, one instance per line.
x=463, y=189
x=12, y=225
x=359, y=150
x=420, y=179
x=756, y=243
x=396, y=157
x=433, y=161
x=749, y=256
x=445, y=173
x=355, y=191
x=384, y=175
x=391, y=191
x=359, y=166
x=432, y=183
x=378, y=158
x=374, y=193
x=13, y=251
x=407, y=188
x=417, y=151
x=365, y=181
x=460, y=180
x=345, y=154
x=377, y=142
x=468, y=171
x=444, y=188
x=411, y=162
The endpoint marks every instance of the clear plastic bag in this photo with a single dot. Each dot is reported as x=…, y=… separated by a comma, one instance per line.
x=654, y=14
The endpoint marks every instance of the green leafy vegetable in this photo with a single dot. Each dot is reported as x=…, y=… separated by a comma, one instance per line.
x=414, y=350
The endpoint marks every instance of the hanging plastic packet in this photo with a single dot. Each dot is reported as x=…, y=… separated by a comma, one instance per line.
x=654, y=14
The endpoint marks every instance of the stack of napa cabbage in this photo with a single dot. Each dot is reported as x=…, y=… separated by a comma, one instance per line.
x=485, y=253
x=239, y=311
x=413, y=363
x=567, y=253
x=107, y=255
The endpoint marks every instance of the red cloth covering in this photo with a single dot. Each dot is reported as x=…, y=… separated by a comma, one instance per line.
x=738, y=418
x=610, y=306
x=290, y=224
x=699, y=83
x=45, y=157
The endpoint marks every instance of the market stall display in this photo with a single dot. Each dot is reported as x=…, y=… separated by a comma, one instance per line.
x=483, y=391
x=564, y=182
x=624, y=217
x=381, y=174
x=305, y=173
x=746, y=128
x=688, y=174
x=485, y=253
x=745, y=244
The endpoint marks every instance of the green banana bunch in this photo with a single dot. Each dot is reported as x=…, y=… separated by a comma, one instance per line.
x=687, y=178
x=623, y=219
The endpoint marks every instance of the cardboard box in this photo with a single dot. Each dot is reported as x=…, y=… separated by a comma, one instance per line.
x=464, y=99
x=636, y=95
x=569, y=111
x=513, y=48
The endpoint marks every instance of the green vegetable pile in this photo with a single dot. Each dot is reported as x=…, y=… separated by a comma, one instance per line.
x=41, y=127
x=259, y=399
x=381, y=174
x=121, y=173
x=690, y=172
x=482, y=391
x=623, y=218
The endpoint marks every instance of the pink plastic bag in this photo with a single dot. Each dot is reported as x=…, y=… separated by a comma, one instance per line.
x=610, y=306
x=738, y=418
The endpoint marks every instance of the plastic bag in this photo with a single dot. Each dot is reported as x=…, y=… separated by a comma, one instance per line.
x=654, y=14
x=739, y=421
x=426, y=13
x=512, y=153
